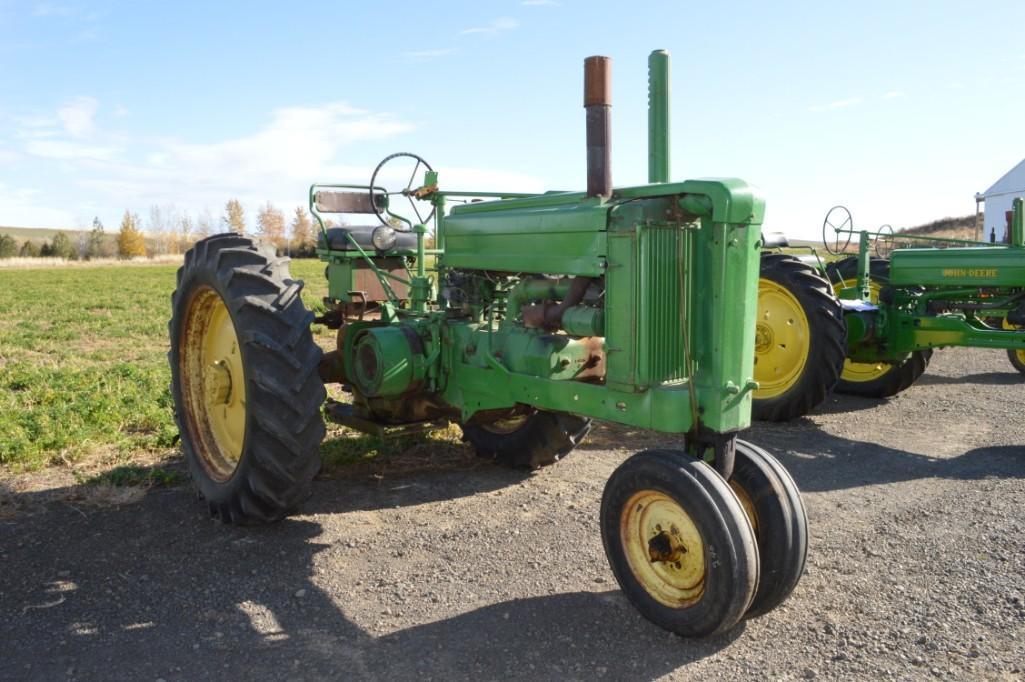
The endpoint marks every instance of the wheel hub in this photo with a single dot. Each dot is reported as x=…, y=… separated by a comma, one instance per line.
x=664, y=548
x=763, y=338
x=218, y=383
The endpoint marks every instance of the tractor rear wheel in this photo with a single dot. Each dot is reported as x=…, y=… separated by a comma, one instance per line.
x=1015, y=355
x=799, y=339
x=874, y=379
x=528, y=441
x=679, y=543
x=774, y=507
x=1017, y=358
x=244, y=380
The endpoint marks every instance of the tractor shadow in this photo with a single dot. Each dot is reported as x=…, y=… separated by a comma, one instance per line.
x=1008, y=378
x=400, y=473
x=821, y=461
x=178, y=596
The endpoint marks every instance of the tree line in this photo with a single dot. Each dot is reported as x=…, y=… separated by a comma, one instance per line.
x=169, y=231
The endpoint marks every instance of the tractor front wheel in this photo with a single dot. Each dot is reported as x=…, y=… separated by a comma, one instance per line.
x=679, y=543
x=774, y=507
x=244, y=380
x=528, y=441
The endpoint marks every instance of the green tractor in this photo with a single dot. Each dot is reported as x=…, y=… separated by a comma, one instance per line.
x=867, y=325
x=528, y=317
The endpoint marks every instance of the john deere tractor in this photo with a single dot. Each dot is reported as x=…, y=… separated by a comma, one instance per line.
x=531, y=316
x=867, y=325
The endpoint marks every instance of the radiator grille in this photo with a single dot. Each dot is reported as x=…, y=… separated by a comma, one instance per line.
x=661, y=305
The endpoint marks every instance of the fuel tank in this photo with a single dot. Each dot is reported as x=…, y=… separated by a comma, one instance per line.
x=958, y=267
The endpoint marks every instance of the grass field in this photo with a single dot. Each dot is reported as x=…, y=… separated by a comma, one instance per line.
x=84, y=376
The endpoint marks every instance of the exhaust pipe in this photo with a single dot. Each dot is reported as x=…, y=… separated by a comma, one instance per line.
x=598, y=105
x=658, y=116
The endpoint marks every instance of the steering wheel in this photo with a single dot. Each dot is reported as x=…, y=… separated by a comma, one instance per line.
x=838, y=218
x=417, y=196
x=884, y=241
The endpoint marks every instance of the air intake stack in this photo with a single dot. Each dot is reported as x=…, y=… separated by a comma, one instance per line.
x=658, y=116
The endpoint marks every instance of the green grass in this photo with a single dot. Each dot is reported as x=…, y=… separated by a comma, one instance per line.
x=128, y=475
x=83, y=365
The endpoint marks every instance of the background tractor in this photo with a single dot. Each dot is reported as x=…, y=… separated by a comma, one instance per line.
x=867, y=325
x=531, y=316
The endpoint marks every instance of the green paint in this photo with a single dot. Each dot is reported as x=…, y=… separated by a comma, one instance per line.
x=678, y=267
x=939, y=297
x=658, y=116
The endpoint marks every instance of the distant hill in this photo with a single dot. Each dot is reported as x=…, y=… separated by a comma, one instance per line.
x=40, y=235
x=955, y=228
x=45, y=234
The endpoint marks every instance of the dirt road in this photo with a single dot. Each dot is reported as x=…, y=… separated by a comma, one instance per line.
x=917, y=565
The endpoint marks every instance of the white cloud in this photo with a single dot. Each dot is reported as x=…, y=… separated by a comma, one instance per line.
x=49, y=9
x=77, y=116
x=67, y=150
x=276, y=161
x=25, y=207
x=838, y=104
x=495, y=27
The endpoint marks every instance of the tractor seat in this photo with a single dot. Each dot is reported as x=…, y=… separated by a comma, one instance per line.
x=338, y=238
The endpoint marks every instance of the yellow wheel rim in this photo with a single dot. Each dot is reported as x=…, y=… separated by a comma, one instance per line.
x=782, y=340
x=664, y=548
x=1020, y=354
x=857, y=372
x=747, y=504
x=504, y=427
x=213, y=384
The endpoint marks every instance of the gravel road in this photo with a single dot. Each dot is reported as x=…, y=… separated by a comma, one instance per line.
x=916, y=569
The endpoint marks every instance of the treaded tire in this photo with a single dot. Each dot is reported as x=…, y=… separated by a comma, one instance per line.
x=1016, y=361
x=780, y=524
x=543, y=439
x=902, y=375
x=731, y=562
x=827, y=339
x=283, y=391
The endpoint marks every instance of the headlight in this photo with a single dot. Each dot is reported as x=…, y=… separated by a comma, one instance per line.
x=384, y=238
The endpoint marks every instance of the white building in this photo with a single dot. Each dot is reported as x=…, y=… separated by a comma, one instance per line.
x=998, y=200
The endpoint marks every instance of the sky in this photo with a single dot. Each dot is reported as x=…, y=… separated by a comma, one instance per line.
x=901, y=111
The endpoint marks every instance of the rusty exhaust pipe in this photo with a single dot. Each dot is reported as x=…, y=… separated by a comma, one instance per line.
x=598, y=105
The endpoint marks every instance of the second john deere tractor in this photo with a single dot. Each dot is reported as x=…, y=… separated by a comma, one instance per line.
x=868, y=325
x=531, y=316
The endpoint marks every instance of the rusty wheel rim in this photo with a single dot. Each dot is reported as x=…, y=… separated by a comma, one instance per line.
x=664, y=548
x=213, y=384
x=504, y=427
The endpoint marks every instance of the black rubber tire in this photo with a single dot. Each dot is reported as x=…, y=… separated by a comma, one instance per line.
x=780, y=524
x=901, y=375
x=827, y=340
x=543, y=439
x=731, y=561
x=1016, y=362
x=284, y=424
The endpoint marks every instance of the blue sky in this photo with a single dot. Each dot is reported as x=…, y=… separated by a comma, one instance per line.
x=901, y=110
